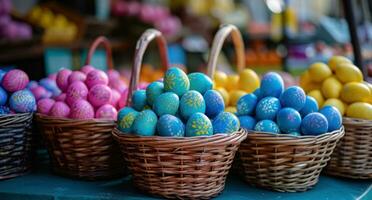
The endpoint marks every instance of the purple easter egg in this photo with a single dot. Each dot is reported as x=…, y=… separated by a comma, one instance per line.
x=62, y=79
x=77, y=76
x=107, y=111
x=45, y=105
x=59, y=109
x=87, y=68
x=96, y=77
x=82, y=109
x=32, y=84
x=115, y=97
x=61, y=97
x=39, y=92
x=15, y=80
x=99, y=95
x=77, y=90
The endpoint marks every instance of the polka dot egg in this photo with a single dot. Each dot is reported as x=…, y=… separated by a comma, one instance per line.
x=314, y=124
x=267, y=126
x=175, y=80
x=225, y=122
x=289, y=120
x=246, y=104
x=267, y=108
x=169, y=125
x=293, y=97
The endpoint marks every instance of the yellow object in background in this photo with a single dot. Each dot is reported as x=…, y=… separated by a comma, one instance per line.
x=360, y=110
x=249, y=80
x=336, y=103
x=232, y=82
x=331, y=87
x=355, y=92
x=317, y=95
x=336, y=60
x=235, y=96
x=220, y=79
x=231, y=109
x=319, y=72
x=224, y=94
x=348, y=72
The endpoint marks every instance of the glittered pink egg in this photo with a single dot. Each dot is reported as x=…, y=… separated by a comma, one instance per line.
x=96, y=77
x=53, y=76
x=123, y=99
x=107, y=111
x=118, y=85
x=99, y=95
x=115, y=97
x=62, y=79
x=59, y=109
x=87, y=68
x=76, y=76
x=15, y=80
x=60, y=97
x=39, y=92
x=77, y=90
x=113, y=75
x=45, y=105
x=82, y=109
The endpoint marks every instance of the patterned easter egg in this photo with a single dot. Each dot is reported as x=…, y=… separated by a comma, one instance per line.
x=267, y=126
x=107, y=111
x=311, y=105
x=246, y=104
x=247, y=122
x=153, y=91
x=198, y=125
x=169, y=125
x=293, y=97
x=139, y=100
x=272, y=85
x=87, y=68
x=175, y=80
x=258, y=94
x=200, y=82
x=39, y=92
x=15, y=80
x=123, y=99
x=62, y=79
x=82, y=109
x=225, y=122
x=45, y=105
x=126, y=117
x=3, y=96
x=191, y=102
x=59, y=109
x=50, y=85
x=289, y=120
x=99, y=95
x=314, y=124
x=76, y=76
x=96, y=77
x=166, y=103
x=22, y=101
x=113, y=75
x=118, y=85
x=32, y=84
x=4, y=110
x=215, y=104
x=145, y=123
x=295, y=133
x=267, y=108
x=61, y=97
x=333, y=116
x=115, y=98
x=77, y=90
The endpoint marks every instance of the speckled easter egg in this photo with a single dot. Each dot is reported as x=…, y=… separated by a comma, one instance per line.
x=39, y=92
x=314, y=124
x=258, y=94
x=267, y=108
x=61, y=97
x=272, y=85
x=246, y=104
x=267, y=126
x=118, y=85
x=125, y=119
x=106, y=111
x=153, y=91
x=166, y=103
x=87, y=68
x=76, y=76
x=3, y=96
x=77, y=90
x=311, y=105
x=191, y=102
x=169, y=125
x=145, y=123
x=96, y=77
x=59, y=109
x=99, y=95
x=115, y=97
x=333, y=116
x=4, y=110
x=22, y=101
x=15, y=80
x=215, y=104
x=45, y=105
x=225, y=122
x=62, y=79
x=82, y=109
x=139, y=100
x=32, y=84
x=247, y=122
x=175, y=80
x=50, y=85
x=293, y=97
x=200, y=82
x=198, y=125
x=289, y=120
x=113, y=75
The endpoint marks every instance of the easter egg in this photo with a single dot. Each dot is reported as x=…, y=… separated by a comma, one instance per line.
x=77, y=90
x=198, y=125
x=59, y=109
x=200, y=82
x=15, y=80
x=191, y=102
x=331, y=87
x=76, y=76
x=145, y=123
x=272, y=85
x=246, y=104
x=337, y=103
x=50, y=85
x=232, y=82
x=347, y=72
x=96, y=77
x=314, y=124
x=267, y=126
x=215, y=103
x=319, y=72
x=2, y=74
x=267, y=108
x=118, y=85
x=231, y=109
x=360, y=110
x=289, y=120
x=125, y=118
x=166, y=103
x=62, y=79
x=153, y=91
x=333, y=116
x=247, y=122
x=45, y=105
x=139, y=100
x=235, y=95
x=113, y=75
x=225, y=95
x=4, y=110
x=311, y=105
x=106, y=111
x=87, y=68
x=22, y=101
x=249, y=81
x=220, y=79
x=170, y=126
x=336, y=60
x=99, y=95
x=355, y=92
x=258, y=94
x=82, y=109
x=294, y=133
x=61, y=97
x=176, y=81
x=3, y=96
x=317, y=95
x=306, y=83
x=293, y=97
x=32, y=84
x=115, y=98
x=225, y=122
x=39, y=92
x=123, y=99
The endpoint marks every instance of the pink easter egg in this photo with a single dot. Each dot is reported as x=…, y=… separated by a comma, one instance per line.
x=45, y=105
x=96, y=77
x=59, y=109
x=99, y=95
x=107, y=111
x=77, y=90
x=123, y=99
x=115, y=97
x=76, y=76
x=82, y=109
x=113, y=74
x=15, y=80
x=118, y=85
x=87, y=68
x=53, y=76
x=39, y=92
x=62, y=79
x=61, y=97
x=143, y=85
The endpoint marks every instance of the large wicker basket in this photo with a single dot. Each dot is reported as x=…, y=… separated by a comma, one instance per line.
x=15, y=144
x=352, y=157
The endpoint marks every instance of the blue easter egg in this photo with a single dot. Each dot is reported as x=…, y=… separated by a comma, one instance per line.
x=272, y=85
x=191, y=102
x=225, y=122
x=50, y=85
x=333, y=116
x=267, y=126
x=247, y=122
x=215, y=103
x=200, y=82
x=2, y=74
x=311, y=105
x=32, y=84
x=314, y=124
x=258, y=94
x=169, y=125
x=293, y=97
x=125, y=119
x=175, y=80
x=3, y=96
x=246, y=104
x=153, y=90
x=295, y=133
x=22, y=101
x=166, y=103
x=289, y=120
x=139, y=100
x=4, y=110
x=198, y=125
x=145, y=123
x=267, y=108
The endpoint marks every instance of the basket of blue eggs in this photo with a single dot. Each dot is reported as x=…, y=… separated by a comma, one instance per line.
x=175, y=137
x=289, y=140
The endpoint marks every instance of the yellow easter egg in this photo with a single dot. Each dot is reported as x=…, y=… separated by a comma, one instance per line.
x=225, y=95
x=336, y=103
x=220, y=79
x=249, y=80
x=331, y=87
x=235, y=96
x=319, y=71
x=370, y=90
x=317, y=95
x=304, y=79
x=354, y=92
x=231, y=109
x=232, y=82
x=336, y=60
x=360, y=110
x=347, y=72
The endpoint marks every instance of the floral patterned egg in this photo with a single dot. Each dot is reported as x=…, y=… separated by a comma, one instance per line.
x=169, y=125
x=314, y=124
x=191, y=102
x=126, y=117
x=215, y=104
x=225, y=122
x=267, y=108
x=198, y=125
x=293, y=97
x=268, y=126
x=145, y=123
x=175, y=80
x=153, y=91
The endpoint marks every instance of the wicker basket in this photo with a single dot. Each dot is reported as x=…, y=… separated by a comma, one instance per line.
x=286, y=163
x=352, y=157
x=15, y=144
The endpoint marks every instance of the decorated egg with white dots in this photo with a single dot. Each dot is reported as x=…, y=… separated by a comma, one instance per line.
x=246, y=104
x=268, y=126
x=272, y=85
x=214, y=103
x=225, y=122
x=293, y=97
x=267, y=108
x=288, y=120
x=198, y=125
x=169, y=125
x=314, y=124
x=311, y=105
x=333, y=116
x=191, y=102
x=175, y=80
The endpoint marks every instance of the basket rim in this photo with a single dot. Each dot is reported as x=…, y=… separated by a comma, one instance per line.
x=357, y=121
x=69, y=120
x=16, y=115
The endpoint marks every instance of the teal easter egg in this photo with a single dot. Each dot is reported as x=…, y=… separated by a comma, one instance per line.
x=314, y=124
x=215, y=104
x=267, y=108
x=333, y=116
x=125, y=119
x=166, y=103
x=175, y=80
x=247, y=122
x=169, y=125
x=311, y=105
x=200, y=82
x=246, y=104
x=145, y=123
x=272, y=85
x=191, y=102
x=198, y=125
x=225, y=122
x=153, y=91
x=139, y=100
x=22, y=101
x=267, y=126
x=289, y=120
x=258, y=94
x=295, y=133
x=293, y=97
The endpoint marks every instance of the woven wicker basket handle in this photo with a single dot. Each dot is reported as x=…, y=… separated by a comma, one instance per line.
x=141, y=46
x=217, y=44
x=106, y=44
